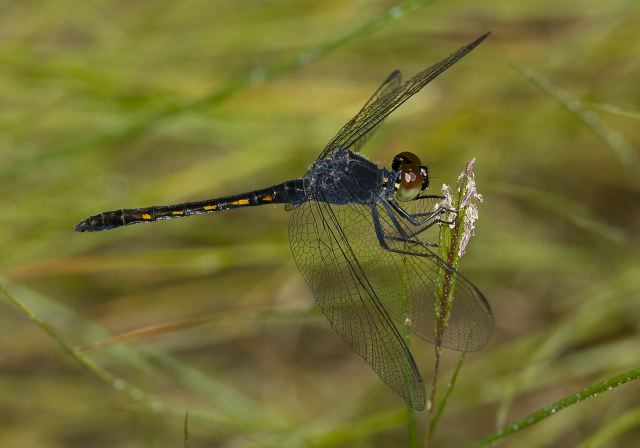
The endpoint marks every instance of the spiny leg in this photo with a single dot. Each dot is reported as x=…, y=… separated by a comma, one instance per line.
x=406, y=235
x=424, y=224
x=408, y=239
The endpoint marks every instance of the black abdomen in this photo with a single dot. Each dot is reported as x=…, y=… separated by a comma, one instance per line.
x=286, y=192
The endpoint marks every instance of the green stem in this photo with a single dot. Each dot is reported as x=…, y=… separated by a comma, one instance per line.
x=626, y=154
x=447, y=393
x=186, y=441
x=118, y=384
x=444, y=300
x=551, y=409
x=450, y=239
x=606, y=434
x=259, y=75
x=434, y=381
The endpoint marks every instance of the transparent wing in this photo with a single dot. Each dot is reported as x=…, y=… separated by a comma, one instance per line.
x=390, y=84
x=367, y=292
x=381, y=105
x=412, y=299
x=336, y=271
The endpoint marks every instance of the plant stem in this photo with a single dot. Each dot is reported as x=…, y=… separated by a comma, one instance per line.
x=118, y=384
x=439, y=411
x=434, y=381
x=187, y=442
x=257, y=76
x=450, y=243
x=551, y=409
x=626, y=154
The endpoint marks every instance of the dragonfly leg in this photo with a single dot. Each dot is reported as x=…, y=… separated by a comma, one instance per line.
x=404, y=234
x=427, y=253
x=437, y=211
x=420, y=219
x=430, y=219
x=428, y=196
x=408, y=238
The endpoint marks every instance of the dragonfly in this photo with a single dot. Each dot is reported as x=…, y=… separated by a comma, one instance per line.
x=359, y=245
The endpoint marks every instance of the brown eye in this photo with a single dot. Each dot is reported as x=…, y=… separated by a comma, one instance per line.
x=410, y=182
x=411, y=177
x=409, y=157
x=404, y=158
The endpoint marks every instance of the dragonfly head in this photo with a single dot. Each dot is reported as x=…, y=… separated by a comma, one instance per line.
x=411, y=176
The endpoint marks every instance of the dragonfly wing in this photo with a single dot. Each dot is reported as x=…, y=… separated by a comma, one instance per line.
x=334, y=265
x=380, y=106
x=413, y=302
x=388, y=85
x=391, y=83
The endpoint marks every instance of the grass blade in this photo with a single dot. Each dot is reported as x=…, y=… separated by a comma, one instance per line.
x=605, y=435
x=574, y=213
x=187, y=442
x=79, y=358
x=613, y=109
x=614, y=140
x=118, y=384
x=448, y=391
x=549, y=410
x=257, y=76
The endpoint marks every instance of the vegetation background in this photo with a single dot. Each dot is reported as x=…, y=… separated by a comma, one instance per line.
x=111, y=104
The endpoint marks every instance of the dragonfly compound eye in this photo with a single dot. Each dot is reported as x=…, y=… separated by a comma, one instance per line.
x=404, y=158
x=410, y=182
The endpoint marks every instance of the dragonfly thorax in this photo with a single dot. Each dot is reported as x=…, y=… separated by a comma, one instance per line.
x=347, y=177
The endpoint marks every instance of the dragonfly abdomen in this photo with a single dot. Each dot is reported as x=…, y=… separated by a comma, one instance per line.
x=286, y=192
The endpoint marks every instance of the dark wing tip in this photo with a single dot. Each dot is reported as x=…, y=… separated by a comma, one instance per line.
x=83, y=227
x=393, y=74
x=479, y=40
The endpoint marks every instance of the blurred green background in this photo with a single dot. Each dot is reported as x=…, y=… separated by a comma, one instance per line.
x=112, y=104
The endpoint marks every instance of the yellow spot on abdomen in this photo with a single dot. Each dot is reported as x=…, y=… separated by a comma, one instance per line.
x=267, y=197
x=146, y=216
x=209, y=207
x=177, y=213
x=240, y=202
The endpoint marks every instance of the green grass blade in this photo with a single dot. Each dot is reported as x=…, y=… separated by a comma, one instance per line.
x=120, y=385
x=257, y=76
x=549, y=410
x=447, y=393
x=617, y=110
x=236, y=407
x=564, y=208
x=625, y=153
x=349, y=433
x=607, y=433
x=79, y=358
x=187, y=442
